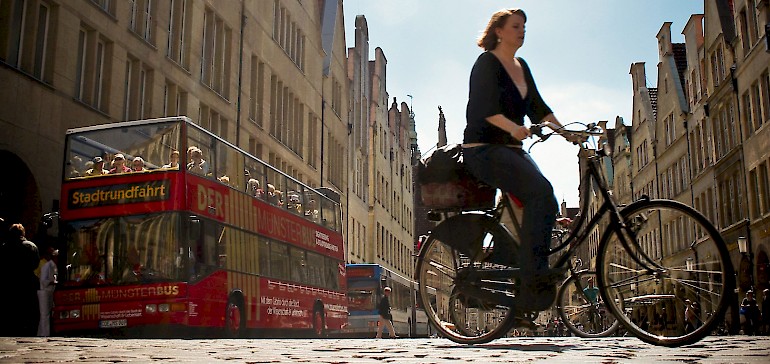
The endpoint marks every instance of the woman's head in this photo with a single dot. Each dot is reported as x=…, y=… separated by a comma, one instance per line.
x=490, y=38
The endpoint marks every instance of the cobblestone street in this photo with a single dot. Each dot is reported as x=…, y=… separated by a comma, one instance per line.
x=718, y=349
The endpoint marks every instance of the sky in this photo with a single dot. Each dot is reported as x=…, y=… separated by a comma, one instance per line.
x=580, y=54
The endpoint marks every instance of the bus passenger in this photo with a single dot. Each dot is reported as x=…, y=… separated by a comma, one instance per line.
x=97, y=169
x=294, y=204
x=138, y=164
x=311, y=211
x=272, y=195
x=197, y=164
x=252, y=187
x=119, y=164
x=173, y=160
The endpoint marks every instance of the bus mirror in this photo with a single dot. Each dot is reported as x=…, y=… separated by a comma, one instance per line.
x=194, y=231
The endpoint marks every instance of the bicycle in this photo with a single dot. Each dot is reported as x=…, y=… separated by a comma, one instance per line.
x=652, y=255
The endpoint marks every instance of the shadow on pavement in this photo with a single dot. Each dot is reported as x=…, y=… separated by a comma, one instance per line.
x=549, y=347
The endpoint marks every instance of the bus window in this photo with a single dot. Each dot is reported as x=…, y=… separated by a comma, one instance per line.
x=315, y=263
x=276, y=187
x=332, y=274
x=293, y=197
x=90, y=153
x=200, y=158
x=330, y=214
x=264, y=257
x=298, y=265
x=279, y=260
x=254, y=172
x=230, y=171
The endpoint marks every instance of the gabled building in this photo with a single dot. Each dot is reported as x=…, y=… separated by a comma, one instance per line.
x=382, y=203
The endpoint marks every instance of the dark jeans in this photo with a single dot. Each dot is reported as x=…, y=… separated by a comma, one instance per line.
x=513, y=170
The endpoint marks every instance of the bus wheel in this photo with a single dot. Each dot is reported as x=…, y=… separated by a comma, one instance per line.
x=319, y=327
x=234, y=320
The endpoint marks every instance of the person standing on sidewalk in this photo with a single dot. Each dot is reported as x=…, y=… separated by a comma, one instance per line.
x=19, y=258
x=45, y=295
x=385, y=317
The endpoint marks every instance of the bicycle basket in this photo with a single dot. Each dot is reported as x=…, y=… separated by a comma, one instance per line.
x=446, y=184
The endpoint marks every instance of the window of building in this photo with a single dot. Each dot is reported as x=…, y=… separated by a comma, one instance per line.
x=142, y=19
x=179, y=33
x=212, y=121
x=175, y=100
x=25, y=37
x=764, y=188
x=107, y=6
x=216, y=55
x=138, y=90
x=288, y=34
x=93, y=66
x=756, y=105
x=256, y=90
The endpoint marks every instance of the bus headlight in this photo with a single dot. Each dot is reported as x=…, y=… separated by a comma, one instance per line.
x=150, y=308
x=69, y=314
x=164, y=307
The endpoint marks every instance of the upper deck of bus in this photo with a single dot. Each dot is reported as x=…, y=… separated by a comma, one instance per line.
x=226, y=166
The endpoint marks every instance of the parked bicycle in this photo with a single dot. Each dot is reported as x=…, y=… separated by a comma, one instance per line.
x=651, y=256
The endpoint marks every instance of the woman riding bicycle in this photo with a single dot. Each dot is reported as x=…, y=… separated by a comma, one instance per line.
x=502, y=92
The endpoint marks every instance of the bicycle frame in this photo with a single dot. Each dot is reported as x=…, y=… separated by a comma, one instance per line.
x=578, y=235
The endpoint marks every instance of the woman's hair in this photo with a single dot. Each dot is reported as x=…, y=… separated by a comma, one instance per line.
x=488, y=39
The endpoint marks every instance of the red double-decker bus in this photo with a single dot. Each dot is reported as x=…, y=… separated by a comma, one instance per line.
x=218, y=240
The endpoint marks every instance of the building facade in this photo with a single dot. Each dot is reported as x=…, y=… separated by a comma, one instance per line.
x=382, y=139
x=701, y=136
x=268, y=76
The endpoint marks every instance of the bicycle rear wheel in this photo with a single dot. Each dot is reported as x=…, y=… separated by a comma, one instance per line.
x=671, y=283
x=582, y=310
x=457, y=315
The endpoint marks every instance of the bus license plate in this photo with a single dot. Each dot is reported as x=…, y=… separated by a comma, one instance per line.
x=107, y=324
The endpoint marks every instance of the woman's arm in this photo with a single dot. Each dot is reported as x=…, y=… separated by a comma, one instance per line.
x=517, y=131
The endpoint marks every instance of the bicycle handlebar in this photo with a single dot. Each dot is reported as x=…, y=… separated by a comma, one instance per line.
x=590, y=130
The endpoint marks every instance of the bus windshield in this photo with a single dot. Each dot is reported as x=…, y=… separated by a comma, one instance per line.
x=361, y=296
x=124, y=250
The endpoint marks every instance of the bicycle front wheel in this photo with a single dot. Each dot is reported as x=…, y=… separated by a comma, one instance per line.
x=582, y=310
x=457, y=315
x=668, y=277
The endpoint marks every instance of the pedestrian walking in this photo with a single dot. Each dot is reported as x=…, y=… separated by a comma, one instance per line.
x=385, y=316
x=19, y=258
x=750, y=312
x=48, y=280
x=691, y=314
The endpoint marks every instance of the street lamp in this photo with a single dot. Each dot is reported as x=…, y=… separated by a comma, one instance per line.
x=743, y=245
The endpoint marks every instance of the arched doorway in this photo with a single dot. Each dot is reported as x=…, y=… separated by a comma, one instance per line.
x=19, y=194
